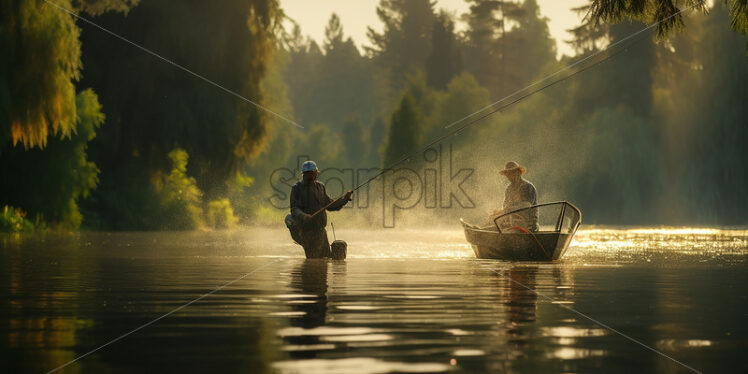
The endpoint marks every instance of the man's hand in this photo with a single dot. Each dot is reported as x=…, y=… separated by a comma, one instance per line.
x=348, y=195
x=307, y=217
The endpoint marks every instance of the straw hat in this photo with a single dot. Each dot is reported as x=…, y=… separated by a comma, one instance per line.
x=511, y=166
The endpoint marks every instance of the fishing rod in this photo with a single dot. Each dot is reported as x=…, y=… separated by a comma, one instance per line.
x=455, y=132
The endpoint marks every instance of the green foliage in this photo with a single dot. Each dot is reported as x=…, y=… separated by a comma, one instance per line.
x=153, y=108
x=97, y=7
x=702, y=115
x=665, y=12
x=404, y=133
x=651, y=11
x=220, y=215
x=14, y=220
x=50, y=182
x=322, y=144
x=486, y=50
x=377, y=135
x=445, y=60
x=654, y=135
x=621, y=158
x=334, y=83
x=179, y=196
x=538, y=47
x=40, y=60
x=463, y=96
x=625, y=80
x=404, y=44
x=353, y=143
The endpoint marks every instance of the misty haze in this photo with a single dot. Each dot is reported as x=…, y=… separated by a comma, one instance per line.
x=379, y=186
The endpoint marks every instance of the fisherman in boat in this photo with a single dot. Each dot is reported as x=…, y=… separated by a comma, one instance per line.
x=519, y=194
x=307, y=197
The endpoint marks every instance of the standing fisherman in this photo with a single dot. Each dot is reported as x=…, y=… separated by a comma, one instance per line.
x=307, y=197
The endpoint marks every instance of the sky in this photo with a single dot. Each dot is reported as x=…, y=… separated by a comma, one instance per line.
x=357, y=15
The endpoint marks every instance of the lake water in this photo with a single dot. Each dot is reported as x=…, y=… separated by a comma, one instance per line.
x=403, y=301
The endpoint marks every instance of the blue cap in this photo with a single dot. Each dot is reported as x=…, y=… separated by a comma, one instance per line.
x=308, y=166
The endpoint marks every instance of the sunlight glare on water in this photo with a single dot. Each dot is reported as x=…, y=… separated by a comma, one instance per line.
x=403, y=301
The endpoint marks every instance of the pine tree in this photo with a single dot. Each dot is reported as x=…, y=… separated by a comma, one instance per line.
x=353, y=143
x=663, y=11
x=405, y=42
x=403, y=135
x=625, y=80
x=445, y=61
x=491, y=45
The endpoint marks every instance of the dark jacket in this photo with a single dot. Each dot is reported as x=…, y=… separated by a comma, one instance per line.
x=307, y=198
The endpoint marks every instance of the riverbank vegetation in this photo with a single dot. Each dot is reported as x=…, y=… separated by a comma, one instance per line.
x=95, y=133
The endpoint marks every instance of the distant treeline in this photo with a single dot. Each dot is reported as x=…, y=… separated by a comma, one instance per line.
x=97, y=133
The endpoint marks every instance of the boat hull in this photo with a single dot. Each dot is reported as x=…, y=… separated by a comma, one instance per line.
x=538, y=246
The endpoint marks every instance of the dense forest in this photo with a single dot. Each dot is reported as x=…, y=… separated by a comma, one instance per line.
x=96, y=133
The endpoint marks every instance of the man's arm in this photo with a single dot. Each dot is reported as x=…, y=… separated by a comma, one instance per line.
x=529, y=194
x=337, y=204
x=296, y=211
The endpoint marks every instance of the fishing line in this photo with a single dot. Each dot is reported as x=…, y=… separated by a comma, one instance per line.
x=609, y=47
x=163, y=316
x=595, y=321
x=521, y=98
x=146, y=50
x=456, y=131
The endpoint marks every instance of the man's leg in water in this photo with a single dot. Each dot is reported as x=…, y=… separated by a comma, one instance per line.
x=315, y=243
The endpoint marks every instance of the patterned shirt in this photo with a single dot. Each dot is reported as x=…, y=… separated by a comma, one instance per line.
x=517, y=193
x=521, y=195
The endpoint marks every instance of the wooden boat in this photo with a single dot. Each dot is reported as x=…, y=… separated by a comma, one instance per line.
x=509, y=239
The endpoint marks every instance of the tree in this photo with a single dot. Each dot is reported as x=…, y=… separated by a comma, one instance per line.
x=322, y=145
x=179, y=196
x=97, y=7
x=444, y=62
x=463, y=95
x=353, y=143
x=333, y=34
x=153, y=108
x=539, y=48
x=491, y=47
x=45, y=127
x=334, y=83
x=404, y=44
x=589, y=37
x=701, y=114
x=50, y=182
x=625, y=80
x=403, y=136
x=40, y=62
x=376, y=142
x=664, y=11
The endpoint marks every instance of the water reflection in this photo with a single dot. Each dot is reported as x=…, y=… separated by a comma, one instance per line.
x=310, y=280
x=521, y=301
x=430, y=312
x=40, y=322
x=521, y=308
